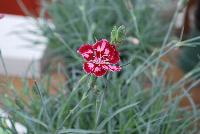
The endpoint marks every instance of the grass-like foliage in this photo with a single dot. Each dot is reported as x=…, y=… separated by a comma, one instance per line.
x=137, y=100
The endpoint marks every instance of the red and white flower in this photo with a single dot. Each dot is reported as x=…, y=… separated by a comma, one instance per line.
x=100, y=57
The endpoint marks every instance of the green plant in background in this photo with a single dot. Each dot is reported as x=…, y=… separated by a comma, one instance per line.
x=115, y=104
x=79, y=21
x=134, y=101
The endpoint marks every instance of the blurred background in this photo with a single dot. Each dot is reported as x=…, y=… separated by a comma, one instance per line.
x=39, y=66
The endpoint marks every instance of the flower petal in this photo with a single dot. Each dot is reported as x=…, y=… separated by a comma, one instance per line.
x=114, y=56
x=114, y=68
x=99, y=71
x=101, y=47
x=87, y=52
x=114, y=59
x=89, y=67
x=105, y=67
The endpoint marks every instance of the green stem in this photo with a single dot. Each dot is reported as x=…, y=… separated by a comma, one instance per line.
x=84, y=96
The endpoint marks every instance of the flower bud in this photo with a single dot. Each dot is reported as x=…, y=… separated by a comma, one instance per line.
x=117, y=35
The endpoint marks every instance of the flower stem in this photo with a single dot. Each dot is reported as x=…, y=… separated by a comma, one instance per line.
x=84, y=96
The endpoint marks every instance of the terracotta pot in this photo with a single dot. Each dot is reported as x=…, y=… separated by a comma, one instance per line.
x=13, y=7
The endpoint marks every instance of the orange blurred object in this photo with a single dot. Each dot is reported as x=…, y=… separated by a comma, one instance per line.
x=15, y=7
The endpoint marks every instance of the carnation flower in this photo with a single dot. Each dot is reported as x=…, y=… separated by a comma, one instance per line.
x=100, y=57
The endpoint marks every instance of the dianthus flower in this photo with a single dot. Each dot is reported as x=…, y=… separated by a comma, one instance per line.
x=100, y=57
